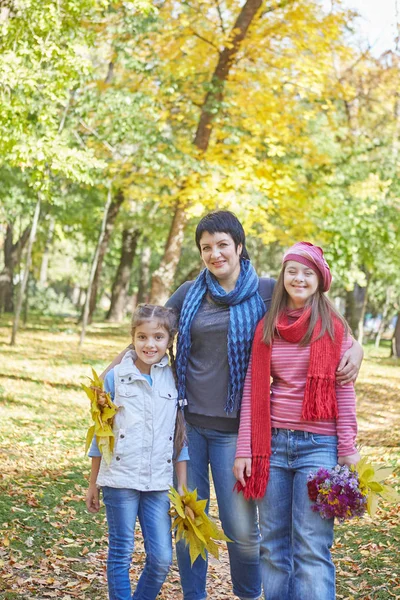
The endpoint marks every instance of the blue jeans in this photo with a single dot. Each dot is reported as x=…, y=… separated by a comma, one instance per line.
x=122, y=508
x=238, y=517
x=296, y=562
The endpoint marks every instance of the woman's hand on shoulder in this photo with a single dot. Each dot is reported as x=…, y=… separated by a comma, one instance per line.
x=350, y=364
x=350, y=459
x=242, y=469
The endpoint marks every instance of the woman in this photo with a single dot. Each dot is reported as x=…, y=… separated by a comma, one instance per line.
x=218, y=316
x=219, y=313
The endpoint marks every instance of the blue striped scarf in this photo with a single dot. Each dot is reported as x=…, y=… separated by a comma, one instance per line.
x=246, y=310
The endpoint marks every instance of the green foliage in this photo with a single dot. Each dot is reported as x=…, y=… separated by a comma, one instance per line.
x=304, y=142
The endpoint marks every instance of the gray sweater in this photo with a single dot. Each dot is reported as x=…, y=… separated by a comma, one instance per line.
x=207, y=376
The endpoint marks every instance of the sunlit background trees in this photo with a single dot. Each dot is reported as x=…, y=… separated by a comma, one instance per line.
x=122, y=123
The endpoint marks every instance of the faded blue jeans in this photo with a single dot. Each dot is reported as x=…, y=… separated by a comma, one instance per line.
x=217, y=449
x=122, y=508
x=296, y=562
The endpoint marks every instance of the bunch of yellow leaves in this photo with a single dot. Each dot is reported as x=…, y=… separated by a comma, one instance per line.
x=371, y=478
x=102, y=410
x=193, y=524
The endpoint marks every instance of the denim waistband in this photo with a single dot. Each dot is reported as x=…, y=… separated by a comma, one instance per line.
x=296, y=432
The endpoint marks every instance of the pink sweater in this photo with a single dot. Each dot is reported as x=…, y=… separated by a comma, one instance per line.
x=289, y=365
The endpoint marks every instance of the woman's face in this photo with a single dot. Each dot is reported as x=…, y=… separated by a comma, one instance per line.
x=220, y=255
x=300, y=282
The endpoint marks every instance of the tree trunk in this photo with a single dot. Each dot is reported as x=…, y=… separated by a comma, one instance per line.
x=46, y=254
x=12, y=253
x=144, y=277
x=26, y=302
x=81, y=298
x=354, y=307
x=26, y=274
x=363, y=310
x=164, y=276
x=121, y=283
x=85, y=316
x=111, y=215
x=385, y=312
x=396, y=339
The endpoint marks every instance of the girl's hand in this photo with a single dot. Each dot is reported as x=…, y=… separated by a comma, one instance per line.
x=350, y=364
x=93, y=499
x=351, y=459
x=242, y=469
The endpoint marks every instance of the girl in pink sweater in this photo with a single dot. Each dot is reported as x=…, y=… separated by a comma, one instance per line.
x=295, y=419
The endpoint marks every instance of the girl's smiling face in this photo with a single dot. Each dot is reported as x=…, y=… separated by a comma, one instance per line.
x=300, y=282
x=150, y=341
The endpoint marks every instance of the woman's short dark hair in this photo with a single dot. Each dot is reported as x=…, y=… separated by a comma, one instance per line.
x=223, y=221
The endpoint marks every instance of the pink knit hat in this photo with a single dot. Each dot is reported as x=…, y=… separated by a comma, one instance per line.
x=313, y=257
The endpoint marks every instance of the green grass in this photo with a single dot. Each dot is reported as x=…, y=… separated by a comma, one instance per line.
x=50, y=547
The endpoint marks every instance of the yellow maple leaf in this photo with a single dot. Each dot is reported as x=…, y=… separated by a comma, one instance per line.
x=102, y=410
x=193, y=525
x=371, y=478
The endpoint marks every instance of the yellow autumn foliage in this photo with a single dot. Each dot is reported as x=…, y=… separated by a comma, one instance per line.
x=371, y=478
x=102, y=410
x=193, y=525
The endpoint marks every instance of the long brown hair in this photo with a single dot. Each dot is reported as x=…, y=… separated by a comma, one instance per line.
x=321, y=308
x=167, y=319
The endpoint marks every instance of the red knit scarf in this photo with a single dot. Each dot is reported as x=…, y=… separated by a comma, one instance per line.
x=319, y=397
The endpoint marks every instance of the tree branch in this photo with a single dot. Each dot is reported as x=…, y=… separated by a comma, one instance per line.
x=204, y=39
x=110, y=148
x=276, y=6
x=220, y=16
x=220, y=75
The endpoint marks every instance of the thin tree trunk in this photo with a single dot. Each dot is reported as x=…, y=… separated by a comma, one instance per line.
x=164, y=276
x=26, y=301
x=12, y=253
x=121, y=283
x=79, y=301
x=26, y=274
x=85, y=316
x=144, y=276
x=395, y=350
x=385, y=311
x=363, y=310
x=111, y=215
x=350, y=310
x=46, y=254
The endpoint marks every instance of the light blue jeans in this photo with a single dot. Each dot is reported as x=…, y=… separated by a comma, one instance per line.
x=208, y=447
x=122, y=508
x=296, y=562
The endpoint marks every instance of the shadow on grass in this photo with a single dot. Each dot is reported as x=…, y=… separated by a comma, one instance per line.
x=67, y=386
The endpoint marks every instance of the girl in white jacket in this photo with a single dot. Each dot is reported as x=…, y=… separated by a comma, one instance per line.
x=149, y=432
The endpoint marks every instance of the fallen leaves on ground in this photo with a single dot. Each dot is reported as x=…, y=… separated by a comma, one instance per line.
x=50, y=547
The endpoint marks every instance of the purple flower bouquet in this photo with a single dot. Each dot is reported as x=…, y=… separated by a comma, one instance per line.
x=337, y=493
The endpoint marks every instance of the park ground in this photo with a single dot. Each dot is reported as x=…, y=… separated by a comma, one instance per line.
x=50, y=547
